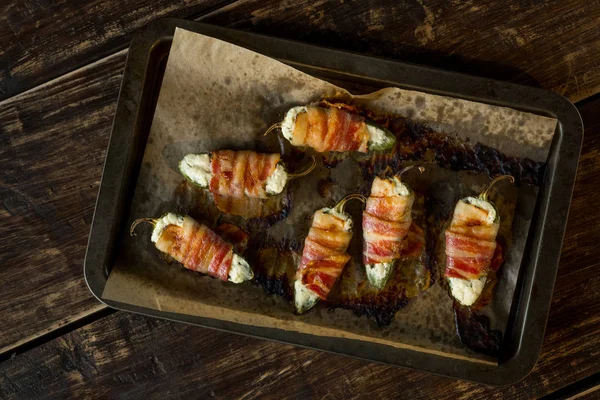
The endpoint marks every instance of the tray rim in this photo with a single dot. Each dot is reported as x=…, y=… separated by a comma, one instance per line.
x=546, y=234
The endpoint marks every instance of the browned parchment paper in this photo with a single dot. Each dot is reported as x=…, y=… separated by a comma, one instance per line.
x=217, y=95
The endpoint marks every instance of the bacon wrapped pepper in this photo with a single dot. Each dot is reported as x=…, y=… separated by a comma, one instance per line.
x=386, y=221
x=471, y=245
x=324, y=255
x=238, y=173
x=197, y=247
x=333, y=128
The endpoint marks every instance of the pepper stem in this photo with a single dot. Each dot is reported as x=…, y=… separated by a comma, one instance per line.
x=272, y=128
x=306, y=172
x=484, y=194
x=406, y=169
x=151, y=221
x=339, y=207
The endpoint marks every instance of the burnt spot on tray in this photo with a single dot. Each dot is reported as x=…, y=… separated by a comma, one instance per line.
x=332, y=159
x=275, y=270
x=410, y=277
x=475, y=333
x=436, y=215
x=255, y=213
x=417, y=142
x=325, y=187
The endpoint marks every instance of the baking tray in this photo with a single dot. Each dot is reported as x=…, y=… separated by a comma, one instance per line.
x=142, y=78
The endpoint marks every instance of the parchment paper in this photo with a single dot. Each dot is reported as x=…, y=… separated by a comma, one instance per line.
x=216, y=95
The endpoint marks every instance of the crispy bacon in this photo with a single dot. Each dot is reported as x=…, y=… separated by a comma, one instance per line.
x=239, y=173
x=470, y=242
x=197, y=248
x=414, y=242
x=386, y=222
x=330, y=129
x=324, y=255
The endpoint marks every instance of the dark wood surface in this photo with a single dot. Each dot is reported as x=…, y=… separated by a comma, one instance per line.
x=54, y=141
x=60, y=70
x=42, y=40
x=545, y=43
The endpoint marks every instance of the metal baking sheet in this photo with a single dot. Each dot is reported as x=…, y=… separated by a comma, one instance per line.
x=140, y=87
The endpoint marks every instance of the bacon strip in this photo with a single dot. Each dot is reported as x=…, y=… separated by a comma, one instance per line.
x=470, y=243
x=386, y=221
x=197, y=248
x=330, y=129
x=414, y=242
x=239, y=173
x=324, y=255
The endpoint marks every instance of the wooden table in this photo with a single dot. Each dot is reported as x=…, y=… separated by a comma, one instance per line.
x=61, y=64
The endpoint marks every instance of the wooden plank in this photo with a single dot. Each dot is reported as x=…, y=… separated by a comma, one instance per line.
x=547, y=43
x=129, y=355
x=42, y=40
x=588, y=388
x=53, y=143
x=589, y=394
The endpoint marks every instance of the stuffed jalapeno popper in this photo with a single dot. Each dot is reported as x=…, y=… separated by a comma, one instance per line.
x=238, y=173
x=333, y=128
x=324, y=255
x=197, y=247
x=471, y=245
x=386, y=222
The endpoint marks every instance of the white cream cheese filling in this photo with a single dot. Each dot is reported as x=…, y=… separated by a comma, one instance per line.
x=163, y=222
x=484, y=205
x=240, y=270
x=467, y=291
x=378, y=274
x=287, y=126
x=343, y=216
x=400, y=188
x=378, y=137
x=197, y=168
x=277, y=181
x=304, y=298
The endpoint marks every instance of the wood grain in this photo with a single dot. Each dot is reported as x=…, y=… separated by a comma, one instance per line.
x=52, y=146
x=589, y=394
x=553, y=44
x=130, y=356
x=53, y=143
x=43, y=39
